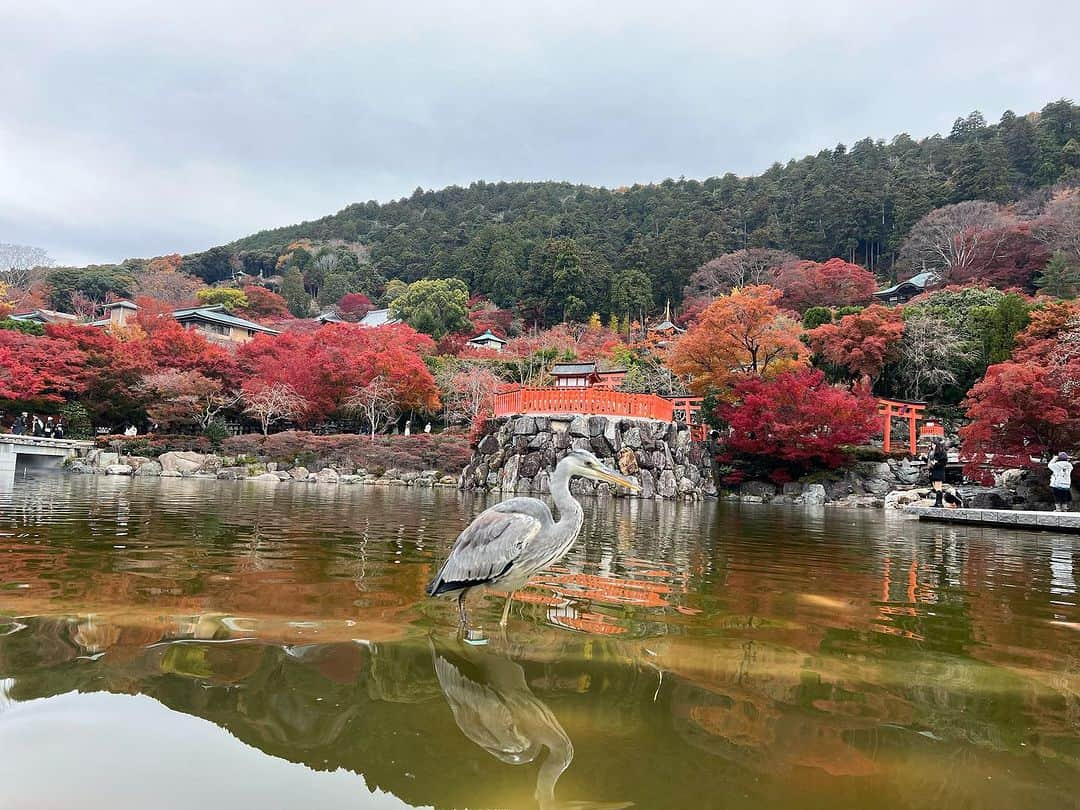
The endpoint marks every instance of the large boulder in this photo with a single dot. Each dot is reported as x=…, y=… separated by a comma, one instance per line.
x=814, y=494
x=632, y=438
x=266, y=478
x=579, y=426
x=899, y=498
x=600, y=446
x=666, y=485
x=103, y=458
x=118, y=469
x=181, y=461
x=327, y=475
x=148, y=468
x=524, y=426
x=988, y=498
x=612, y=434
x=906, y=472
x=489, y=445
x=526, y=467
x=627, y=462
x=540, y=440
x=757, y=489
x=1010, y=479
x=299, y=473
x=508, y=475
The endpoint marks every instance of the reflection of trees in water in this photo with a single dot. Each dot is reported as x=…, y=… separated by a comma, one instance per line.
x=734, y=715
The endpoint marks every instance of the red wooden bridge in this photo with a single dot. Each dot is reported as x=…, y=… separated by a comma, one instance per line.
x=602, y=402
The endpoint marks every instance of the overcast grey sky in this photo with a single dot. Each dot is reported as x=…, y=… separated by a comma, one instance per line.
x=143, y=128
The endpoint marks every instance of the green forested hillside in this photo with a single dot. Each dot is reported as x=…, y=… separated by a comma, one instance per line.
x=527, y=244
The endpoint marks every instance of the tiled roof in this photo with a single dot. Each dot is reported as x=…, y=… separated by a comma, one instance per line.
x=215, y=314
x=45, y=316
x=666, y=326
x=487, y=336
x=571, y=369
x=920, y=281
x=377, y=317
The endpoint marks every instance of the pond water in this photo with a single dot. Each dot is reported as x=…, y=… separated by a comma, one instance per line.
x=181, y=643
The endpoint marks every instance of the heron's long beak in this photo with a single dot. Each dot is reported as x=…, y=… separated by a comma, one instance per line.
x=608, y=474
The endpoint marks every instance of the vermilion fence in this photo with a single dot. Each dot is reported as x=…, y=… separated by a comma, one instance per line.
x=602, y=402
x=583, y=400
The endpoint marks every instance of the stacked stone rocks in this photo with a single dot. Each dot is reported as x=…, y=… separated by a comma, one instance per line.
x=518, y=453
x=184, y=464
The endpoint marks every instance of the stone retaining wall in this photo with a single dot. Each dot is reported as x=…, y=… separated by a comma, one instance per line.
x=517, y=454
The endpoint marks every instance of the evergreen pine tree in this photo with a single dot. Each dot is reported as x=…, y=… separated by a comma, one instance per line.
x=1059, y=278
x=296, y=297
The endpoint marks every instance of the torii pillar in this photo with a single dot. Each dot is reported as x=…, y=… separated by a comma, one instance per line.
x=912, y=411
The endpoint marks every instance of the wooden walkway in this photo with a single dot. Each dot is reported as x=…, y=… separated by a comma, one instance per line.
x=1004, y=518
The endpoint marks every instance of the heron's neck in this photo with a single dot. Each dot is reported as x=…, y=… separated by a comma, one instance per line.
x=569, y=509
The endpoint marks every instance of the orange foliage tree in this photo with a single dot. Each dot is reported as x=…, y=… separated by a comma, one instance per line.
x=742, y=333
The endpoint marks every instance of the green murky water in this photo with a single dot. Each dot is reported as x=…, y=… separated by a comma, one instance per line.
x=201, y=644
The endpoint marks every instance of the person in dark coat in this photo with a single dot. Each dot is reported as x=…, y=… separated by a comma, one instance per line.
x=937, y=460
x=38, y=426
x=18, y=427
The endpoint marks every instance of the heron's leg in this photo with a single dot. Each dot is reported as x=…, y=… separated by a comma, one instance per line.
x=506, y=609
x=461, y=607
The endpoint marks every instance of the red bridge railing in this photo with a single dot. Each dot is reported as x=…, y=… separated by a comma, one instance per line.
x=582, y=400
x=601, y=402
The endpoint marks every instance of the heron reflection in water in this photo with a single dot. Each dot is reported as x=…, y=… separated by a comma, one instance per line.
x=511, y=541
x=494, y=707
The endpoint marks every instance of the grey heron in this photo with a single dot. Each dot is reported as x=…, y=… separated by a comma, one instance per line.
x=508, y=543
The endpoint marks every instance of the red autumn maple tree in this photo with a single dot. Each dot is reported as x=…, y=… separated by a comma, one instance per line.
x=263, y=303
x=1021, y=410
x=353, y=306
x=326, y=367
x=863, y=343
x=37, y=368
x=741, y=333
x=796, y=418
x=834, y=283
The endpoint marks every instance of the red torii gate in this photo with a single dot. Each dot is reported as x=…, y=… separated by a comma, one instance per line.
x=912, y=411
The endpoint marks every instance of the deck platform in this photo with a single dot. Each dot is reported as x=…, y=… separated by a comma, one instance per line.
x=1004, y=518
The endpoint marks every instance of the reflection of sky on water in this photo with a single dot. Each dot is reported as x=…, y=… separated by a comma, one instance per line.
x=1061, y=567
x=182, y=762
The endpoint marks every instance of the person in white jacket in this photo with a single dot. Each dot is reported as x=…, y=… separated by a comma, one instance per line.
x=1061, y=481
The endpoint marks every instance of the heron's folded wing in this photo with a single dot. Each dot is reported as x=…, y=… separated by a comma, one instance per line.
x=486, y=549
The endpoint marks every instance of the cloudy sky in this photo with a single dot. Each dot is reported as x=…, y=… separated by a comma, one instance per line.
x=143, y=128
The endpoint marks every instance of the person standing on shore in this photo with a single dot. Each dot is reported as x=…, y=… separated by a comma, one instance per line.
x=18, y=427
x=937, y=460
x=1061, y=481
